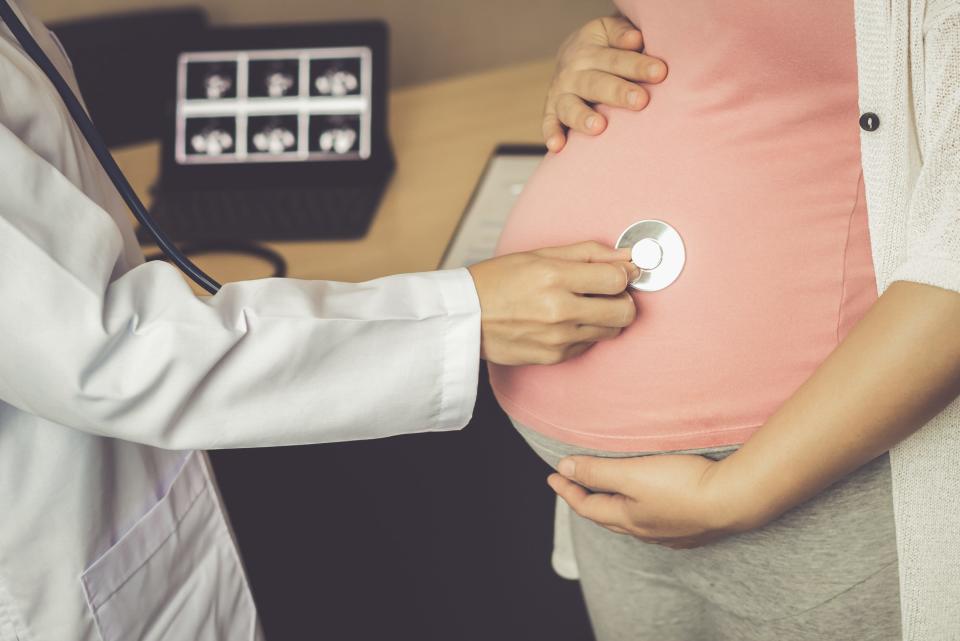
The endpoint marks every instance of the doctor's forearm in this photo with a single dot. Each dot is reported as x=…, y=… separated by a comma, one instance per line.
x=893, y=372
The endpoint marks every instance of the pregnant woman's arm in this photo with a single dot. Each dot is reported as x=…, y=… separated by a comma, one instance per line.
x=894, y=371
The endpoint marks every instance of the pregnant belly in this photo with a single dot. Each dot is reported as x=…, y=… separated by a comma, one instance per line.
x=778, y=265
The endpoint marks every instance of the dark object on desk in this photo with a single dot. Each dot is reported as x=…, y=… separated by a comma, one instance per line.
x=122, y=63
x=276, y=132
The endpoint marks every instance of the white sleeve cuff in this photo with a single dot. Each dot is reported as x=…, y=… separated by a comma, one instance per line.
x=461, y=348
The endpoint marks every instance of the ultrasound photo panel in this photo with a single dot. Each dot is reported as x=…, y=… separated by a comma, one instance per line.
x=288, y=105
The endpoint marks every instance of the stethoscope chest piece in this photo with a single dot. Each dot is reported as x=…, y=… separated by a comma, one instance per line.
x=657, y=249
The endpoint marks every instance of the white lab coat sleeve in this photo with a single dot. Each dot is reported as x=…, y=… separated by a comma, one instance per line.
x=138, y=356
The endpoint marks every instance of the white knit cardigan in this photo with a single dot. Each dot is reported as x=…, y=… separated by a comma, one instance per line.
x=908, y=56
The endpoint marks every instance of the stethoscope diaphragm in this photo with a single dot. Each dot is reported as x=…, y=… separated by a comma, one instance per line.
x=657, y=249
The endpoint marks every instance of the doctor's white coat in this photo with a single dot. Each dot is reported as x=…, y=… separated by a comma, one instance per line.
x=112, y=374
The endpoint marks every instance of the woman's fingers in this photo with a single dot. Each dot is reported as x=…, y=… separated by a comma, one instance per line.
x=609, y=80
x=553, y=132
x=576, y=350
x=574, y=340
x=621, y=33
x=577, y=339
x=599, y=311
x=608, y=279
x=592, y=334
x=600, y=86
x=587, y=251
x=578, y=115
x=608, y=510
x=611, y=475
x=630, y=65
x=608, y=89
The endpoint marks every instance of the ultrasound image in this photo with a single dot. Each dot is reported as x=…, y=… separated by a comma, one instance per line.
x=273, y=78
x=272, y=134
x=334, y=134
x=335, y=77
x=211, y=136
x=211, y=80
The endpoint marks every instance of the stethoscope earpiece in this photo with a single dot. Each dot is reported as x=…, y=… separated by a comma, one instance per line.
x=657, y=249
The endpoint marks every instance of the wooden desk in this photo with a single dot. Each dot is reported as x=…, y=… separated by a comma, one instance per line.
x=442, y=134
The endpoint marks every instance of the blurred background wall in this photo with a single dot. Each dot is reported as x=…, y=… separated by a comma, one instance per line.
x=430, y=38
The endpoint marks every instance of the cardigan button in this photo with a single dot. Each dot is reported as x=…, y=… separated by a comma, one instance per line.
x=869, y=121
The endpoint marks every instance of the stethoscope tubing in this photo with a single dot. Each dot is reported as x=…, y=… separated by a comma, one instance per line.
x=99, y=149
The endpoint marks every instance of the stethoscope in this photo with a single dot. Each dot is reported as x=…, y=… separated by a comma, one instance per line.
x=656, y=247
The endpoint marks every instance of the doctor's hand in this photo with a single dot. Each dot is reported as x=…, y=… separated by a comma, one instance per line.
x=676, y=500
x=546, y=306
x=599, y=63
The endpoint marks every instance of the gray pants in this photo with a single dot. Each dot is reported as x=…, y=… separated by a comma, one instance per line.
x=826, y=569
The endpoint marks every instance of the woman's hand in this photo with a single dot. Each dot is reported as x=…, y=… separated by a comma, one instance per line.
x=599, y=63
x=893, y=372
x=546, y=306
x=680, y=501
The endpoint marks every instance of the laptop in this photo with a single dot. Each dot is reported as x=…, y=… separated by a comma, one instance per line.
x=276, y=133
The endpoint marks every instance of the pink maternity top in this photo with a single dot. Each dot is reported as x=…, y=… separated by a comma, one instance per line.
x=750, y=149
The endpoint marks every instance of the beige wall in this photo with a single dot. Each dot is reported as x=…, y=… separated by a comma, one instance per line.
x=430, y=38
